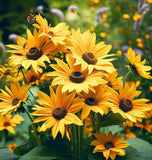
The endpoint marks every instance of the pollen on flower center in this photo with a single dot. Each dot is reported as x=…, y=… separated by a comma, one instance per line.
x=77, y=77
x=59, y=113
x=34, y=53
x=109, y=145
x=91, y=101
x=6, y=124
x=15, y=101
x=89, y=58
x=125, y=104
x=7, y=72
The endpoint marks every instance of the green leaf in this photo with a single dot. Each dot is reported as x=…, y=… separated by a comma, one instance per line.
x=6, y=154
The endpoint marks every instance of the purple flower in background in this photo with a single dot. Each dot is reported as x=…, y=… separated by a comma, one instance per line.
x=100, y=12
x=13, y=37
x=58, y=13
x=140, y=3
x=150, y=28
x=125, y=48
x=138, y=51
x=73, y=8
x=2, y=47
x=39, y=9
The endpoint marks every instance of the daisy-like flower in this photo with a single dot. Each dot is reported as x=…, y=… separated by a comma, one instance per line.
x=12, y=99
x=57, y=34
x=137, y=65
x=88, y=53
x=125, y=104
x=145, y=124
x=31, y=52
x=7, y=71
x=72, y=77
x=96, y=102
x=110, y=145
x=57, y=111
x=35, y=78
x=129, y=134
x=7, y=122
x=112, y=80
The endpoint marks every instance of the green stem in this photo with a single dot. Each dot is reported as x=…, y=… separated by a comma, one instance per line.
x=93, y=122
x=34, y=127
x=126, y=75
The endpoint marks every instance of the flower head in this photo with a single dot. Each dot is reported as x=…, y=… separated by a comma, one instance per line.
x=89, y=54
x=12, y=99
x=7, y=122
x=12, y=146
x=137, y=65
x=72, y=77
x=31, y=52
x=110, y=145
x=58, y=13
x=125, y=104
x=58, y=110
x=96, y=102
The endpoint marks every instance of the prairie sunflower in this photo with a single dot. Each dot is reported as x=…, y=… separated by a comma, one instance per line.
x=7, y=71
x=110, y=145
x=125, y=104
x=35, y=78
x=89, y=54
x=57, y=111
x=31, y=52
x=96, y=102
x=11, y=100
x=145, y=124
x=73, y=78
x=57, y=34
x=137, y=65
x=7, y=123
x=112, y=80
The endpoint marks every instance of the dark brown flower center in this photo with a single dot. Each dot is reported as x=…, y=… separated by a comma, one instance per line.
x=7, y=72
x=15, y=101
x=125, y=104
x=77, y=77
x=91, y=101
x=89, y=58
x=109, y=84
x=50, y=33
x=33, y=79
x=109, y=145
x=59, y=113
x=6, y=124
x=34, y=53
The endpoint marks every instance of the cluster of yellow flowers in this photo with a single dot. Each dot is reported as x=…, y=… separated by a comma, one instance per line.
x=84, y=81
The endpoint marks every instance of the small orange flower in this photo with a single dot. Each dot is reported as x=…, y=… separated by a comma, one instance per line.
x=12, y=146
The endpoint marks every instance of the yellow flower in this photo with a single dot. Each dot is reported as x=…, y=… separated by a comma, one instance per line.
x=12, y=146
x=112, y=80
x=119, y=52
x=91, y=28
x=104, y=15
x=129, y=134
x=149, y=1
x=31, y=52
x=12, y=99
x=57, y=34
x=137, y=65
x=125, y=104
x=35, y=78
x=147, y=36
x=145, y=124
x=73, y=78
x=139, y=40
x=7, y=71
x=140, y=45
x=7, y=123
x=57, y=111
x=137, y=16
x=89, y=54
x=103, y=35
x=126, y=16
x=110, y=145
x=96, y=102
x=96, y=1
